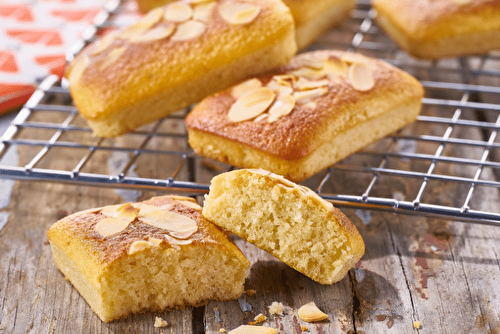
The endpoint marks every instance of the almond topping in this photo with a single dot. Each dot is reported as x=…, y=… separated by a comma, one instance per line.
x=462, y=2
x=284, y=91
x=247, y=329
x=261, y=117
x=138, y=246
x=173, y=222
x=351, y=58
x=238, y=13
x=361, y=77
x=308, y=73
x=304, y=84
x=133, y=31
x=154, y=34
x=79, y=66
x=307, y=95
x=145, y=209
x=110, y=226
x=251, y=105
x=102, y=44
x=189, y=30
x=314, y=63
x=178, y=12
x=245, y=87
x=190, y=204
x=311, y=313
x=281, y=107
x=111, y=58
x=120, y=211
x=203, y=11
x=155, y=242
x=150, y=19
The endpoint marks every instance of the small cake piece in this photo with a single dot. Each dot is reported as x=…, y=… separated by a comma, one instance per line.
x=315, y=17
x=441, y=28
x=154, y=255
x=287, y=220
x=320, y=108
x=175, y=56
x=312, y=17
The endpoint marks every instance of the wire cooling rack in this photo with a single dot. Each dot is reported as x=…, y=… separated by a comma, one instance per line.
x=454, y=141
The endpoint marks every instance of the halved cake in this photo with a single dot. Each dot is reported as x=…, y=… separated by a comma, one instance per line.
x=154, y=255
x=287, y=220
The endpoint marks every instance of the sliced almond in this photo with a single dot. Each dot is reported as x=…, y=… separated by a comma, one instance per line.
x=174, y=241
x=281, y=107
x=361, y=77
x=189, y=30
x=128, y=213
x=203, y=11
x=314, y=63
x=139, y=246
x=155, y=242
x=238, y=13
x=304, y=84
x=178, y=12
x=111, y=58
x=184, y=234
x=145, y=209
x=335, y=66
x=307, y=95
x=171, y=221
x=247, y=329
x=308, y=73
x=462, y=2
x=110, y=226
x=351, y=58
x=284, y=91
x=113, y=210
x=261, y=117
x=311, y=313
x=79, y=66
x=150, y=19
x=245, y=87
x=102, y=44
x=311, y=105
x=155, y=34
x=251, y=105
x=190, y=204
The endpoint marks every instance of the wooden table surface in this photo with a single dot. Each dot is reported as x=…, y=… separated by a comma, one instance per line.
x=444, y=274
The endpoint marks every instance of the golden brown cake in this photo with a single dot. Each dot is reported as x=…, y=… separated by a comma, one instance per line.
x=175, y=56
x=154, y=255
x=441, y=28
x=315, y=17
x=317, y=110
x=312, y=17
x=287, y=220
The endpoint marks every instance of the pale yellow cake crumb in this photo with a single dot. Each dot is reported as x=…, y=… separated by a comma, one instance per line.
x=222, y=330
x=260, y=318
x=159, y=322
x=276, y=308
x=250, y=292
x=416, y=324
x=304, y=328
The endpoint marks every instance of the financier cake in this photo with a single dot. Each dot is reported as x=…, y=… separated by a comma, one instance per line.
x=312, y=17
x=320, y=108
x=154, y=255
x=287, y=220
x=441, y=28
x=175, y=56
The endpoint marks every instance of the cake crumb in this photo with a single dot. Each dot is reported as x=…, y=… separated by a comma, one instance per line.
x=258, y=319
x=159, y=322
x=416, y=324
x=250, y=292
x=276, y=308
x=222, y=330
x=304, y=329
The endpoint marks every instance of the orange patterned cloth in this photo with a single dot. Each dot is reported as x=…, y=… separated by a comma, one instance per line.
x=34, y=38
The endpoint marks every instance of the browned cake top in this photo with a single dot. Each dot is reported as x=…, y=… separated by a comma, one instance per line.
x=118, y=230
x=419, y=17
x=286, y=113
x=167, y=46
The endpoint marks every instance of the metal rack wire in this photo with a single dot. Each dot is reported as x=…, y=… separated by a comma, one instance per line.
x=461, y=106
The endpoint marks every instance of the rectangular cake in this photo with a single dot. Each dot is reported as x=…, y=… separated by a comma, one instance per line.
x=306, y=116
x=155, y=255
x=175, y=56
